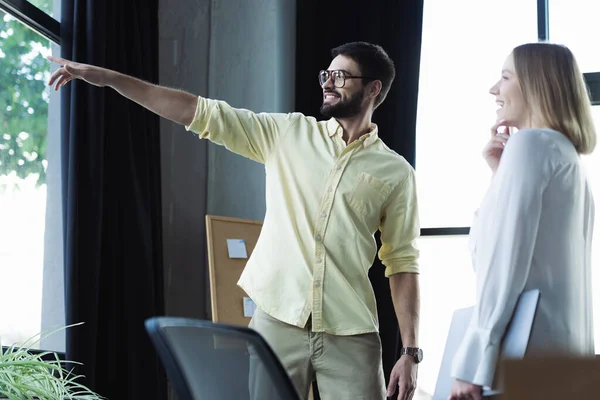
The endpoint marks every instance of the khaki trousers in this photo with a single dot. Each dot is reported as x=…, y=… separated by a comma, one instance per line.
x=345, y=367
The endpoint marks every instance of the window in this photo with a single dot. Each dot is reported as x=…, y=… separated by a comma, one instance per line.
x=31, y=298
x=447, y=283
x=575, y=23
x=461, y=58
x=45, y=6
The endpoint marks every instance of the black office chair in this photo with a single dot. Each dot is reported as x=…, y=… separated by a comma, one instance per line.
x=205, y=360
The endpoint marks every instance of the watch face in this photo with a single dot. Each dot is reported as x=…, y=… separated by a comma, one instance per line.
x=419, y=355
x=415, y=352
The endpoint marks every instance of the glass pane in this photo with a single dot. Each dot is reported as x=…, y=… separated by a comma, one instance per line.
x=24, y=100
x=575, y=23
x=461, y=58
x=46, y=6
x=592, y=163
x=447, y=283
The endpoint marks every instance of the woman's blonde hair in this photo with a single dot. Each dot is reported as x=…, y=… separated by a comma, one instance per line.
x=555, y=92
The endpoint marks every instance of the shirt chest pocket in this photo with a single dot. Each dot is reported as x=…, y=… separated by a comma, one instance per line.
x=368, y=195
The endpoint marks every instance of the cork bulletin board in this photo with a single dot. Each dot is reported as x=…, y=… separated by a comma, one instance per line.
x=230, y=243
x=227, y=258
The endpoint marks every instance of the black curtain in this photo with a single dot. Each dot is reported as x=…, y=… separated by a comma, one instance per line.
x=112, y=201
x=397, y=27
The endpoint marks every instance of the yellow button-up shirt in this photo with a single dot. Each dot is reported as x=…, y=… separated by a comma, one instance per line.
x=325, y=201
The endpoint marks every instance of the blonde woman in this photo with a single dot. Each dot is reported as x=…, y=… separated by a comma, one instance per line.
x=534, y=227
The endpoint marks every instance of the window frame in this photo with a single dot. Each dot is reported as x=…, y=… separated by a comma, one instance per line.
x=33, y=17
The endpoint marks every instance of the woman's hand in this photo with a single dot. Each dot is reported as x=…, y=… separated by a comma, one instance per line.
x=465, y=391
x=492, y=152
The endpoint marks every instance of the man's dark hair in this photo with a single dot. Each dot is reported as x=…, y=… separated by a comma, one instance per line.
x=373, y=62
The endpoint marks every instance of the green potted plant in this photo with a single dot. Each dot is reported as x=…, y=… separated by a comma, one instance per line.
x=25, y=375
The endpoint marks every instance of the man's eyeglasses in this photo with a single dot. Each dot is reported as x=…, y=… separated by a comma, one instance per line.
x=338, y=77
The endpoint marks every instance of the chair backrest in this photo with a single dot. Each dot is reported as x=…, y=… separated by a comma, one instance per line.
x=205, y=360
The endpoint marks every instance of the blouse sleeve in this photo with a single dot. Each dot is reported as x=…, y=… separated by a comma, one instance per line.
x=505, y=241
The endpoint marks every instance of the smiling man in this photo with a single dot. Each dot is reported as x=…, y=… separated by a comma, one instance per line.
x=330, y=186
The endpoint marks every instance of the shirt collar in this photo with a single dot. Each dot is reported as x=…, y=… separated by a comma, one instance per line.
x=334, y=127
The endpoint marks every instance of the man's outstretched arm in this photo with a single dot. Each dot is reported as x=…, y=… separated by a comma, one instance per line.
x=175, y=105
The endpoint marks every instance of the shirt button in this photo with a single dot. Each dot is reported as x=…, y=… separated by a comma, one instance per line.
x=319, y=260
x=338, y=167
x=323, y=214
x=318, y=238
x=318, y=283
x=330, y=189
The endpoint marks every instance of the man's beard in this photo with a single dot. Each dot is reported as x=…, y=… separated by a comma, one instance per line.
x=344, y=109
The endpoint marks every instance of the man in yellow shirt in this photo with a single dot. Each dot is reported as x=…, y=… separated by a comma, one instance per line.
x=330, y=185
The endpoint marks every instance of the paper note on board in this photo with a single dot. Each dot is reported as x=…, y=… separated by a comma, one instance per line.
x=249, y=307
x=237, y=248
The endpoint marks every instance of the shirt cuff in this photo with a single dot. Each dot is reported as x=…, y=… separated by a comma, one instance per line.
x=200, y=110
x=476, y=358
x=398, y=267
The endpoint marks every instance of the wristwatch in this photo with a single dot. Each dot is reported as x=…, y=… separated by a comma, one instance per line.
x=414, y=352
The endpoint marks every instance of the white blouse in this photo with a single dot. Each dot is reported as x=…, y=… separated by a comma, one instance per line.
x=533, y=230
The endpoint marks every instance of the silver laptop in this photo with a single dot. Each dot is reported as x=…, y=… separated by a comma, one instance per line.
x=514, y=343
